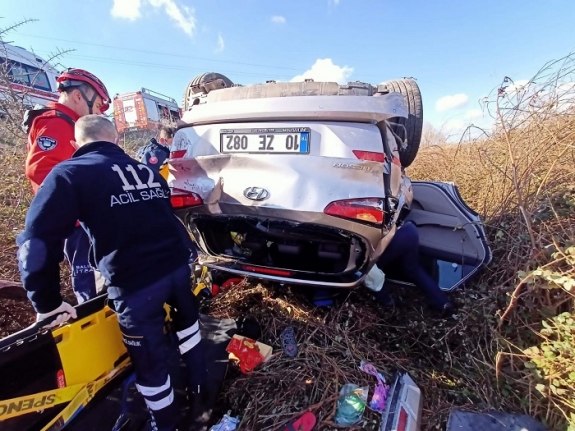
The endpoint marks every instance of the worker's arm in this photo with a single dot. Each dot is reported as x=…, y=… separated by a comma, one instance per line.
x=50, y=143
x=50, y=219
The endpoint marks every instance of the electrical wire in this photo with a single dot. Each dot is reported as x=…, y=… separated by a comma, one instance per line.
x=162, y=66
x=157, y=52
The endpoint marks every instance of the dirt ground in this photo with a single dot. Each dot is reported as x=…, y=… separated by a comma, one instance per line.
x=16, y=312
x=332, y=342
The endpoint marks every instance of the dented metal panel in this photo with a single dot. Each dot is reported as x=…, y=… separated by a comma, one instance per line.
x=276, y=89
x=360, y=109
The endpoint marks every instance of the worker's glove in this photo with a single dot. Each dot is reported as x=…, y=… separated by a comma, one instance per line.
x=64, y=312
x=374, y=279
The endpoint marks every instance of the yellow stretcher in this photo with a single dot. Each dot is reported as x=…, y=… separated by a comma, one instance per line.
x=53, y=374
x=49, y=375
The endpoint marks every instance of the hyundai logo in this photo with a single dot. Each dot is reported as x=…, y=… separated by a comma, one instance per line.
x=256, y=193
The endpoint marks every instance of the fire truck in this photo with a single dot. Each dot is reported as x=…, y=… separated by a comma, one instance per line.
x=144, y=110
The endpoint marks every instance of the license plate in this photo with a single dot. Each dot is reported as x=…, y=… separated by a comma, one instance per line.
x=291, y=140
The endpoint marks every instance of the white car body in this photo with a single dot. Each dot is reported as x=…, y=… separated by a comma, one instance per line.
x=285, y=204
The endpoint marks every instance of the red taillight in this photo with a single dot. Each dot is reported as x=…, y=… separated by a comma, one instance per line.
x=184, y=199
x=177, y=154
x=269, y=271
x=402, y=421
x=369, y=210
x=369, y=156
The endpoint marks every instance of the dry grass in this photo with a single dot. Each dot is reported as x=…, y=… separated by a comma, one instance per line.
x=521, y=178
x=439, y=354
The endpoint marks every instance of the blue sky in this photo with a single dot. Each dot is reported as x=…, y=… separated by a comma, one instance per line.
x=458, y=50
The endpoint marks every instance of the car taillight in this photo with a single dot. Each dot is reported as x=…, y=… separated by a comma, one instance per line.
x=269, y=271
x=364, y=209
x=402, y=420
x=177, y=154
x=369, y=156
x=184, y=199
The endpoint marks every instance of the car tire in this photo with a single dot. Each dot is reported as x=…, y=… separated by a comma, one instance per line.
x=414, y=123
x=200, y=80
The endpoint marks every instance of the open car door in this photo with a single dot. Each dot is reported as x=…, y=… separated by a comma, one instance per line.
x=453, y=246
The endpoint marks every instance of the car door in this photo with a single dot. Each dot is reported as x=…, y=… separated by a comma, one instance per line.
x=453, y=246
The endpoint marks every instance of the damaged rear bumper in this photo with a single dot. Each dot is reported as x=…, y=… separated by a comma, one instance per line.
x=282, y=251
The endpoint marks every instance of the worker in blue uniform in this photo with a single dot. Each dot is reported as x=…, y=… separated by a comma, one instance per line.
x=139, y=246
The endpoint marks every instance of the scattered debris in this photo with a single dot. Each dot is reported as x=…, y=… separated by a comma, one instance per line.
x=289, y=342
x=227, y=423
x=351, y=404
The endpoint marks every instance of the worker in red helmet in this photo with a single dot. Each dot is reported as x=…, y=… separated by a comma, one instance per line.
x=50, y=131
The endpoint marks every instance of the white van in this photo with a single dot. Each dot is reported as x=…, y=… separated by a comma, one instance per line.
x=30, y=77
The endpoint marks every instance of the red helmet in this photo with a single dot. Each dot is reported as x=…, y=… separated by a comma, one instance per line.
x=76, y=77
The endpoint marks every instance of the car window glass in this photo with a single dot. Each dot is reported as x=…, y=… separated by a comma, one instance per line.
x=28, y=75
x=19, y=73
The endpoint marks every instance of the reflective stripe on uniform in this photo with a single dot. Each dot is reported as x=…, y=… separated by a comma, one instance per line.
x=161, y=403
x=191, y=343
x=188, y=331
x=150, y=391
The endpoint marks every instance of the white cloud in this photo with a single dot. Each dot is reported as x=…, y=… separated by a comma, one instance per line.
x=519, y=86
x=565, y=96
x=325, y=70
x=127, y=9
x=221, y=45
x=456, y=127
x=559, y=97
x=278, y=19
x=182, y=16
x=455, y=101
x=334, y=2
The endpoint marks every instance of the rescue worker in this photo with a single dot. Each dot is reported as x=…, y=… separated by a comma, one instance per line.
x=140, y=247
x=403, y=252
x=50, y=132
x=155, y=154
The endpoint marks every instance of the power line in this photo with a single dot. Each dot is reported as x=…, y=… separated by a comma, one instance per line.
x=157, y=65
x=171, y=67
x=158, y=52
x=143, y=51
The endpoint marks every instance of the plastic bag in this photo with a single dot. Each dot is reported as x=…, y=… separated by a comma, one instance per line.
x=351, y=404
x=380, y=390
x=227, y=423
x=375, y=279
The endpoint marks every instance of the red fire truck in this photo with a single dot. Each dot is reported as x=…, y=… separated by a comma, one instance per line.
x=144, y=110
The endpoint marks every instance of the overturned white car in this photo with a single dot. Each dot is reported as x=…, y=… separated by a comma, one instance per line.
x=304, y=183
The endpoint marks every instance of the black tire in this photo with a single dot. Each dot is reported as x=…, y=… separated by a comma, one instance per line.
x=201, y=79
x=414, y=123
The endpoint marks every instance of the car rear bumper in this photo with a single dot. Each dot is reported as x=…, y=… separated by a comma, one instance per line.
x=284, y=251
x=348, y=281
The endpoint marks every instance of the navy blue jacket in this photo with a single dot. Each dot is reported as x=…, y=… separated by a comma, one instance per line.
x=153, y=154
x=124, y=207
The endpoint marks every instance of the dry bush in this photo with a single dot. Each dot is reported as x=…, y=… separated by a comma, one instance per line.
x=15, y=196
x=521, y=178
